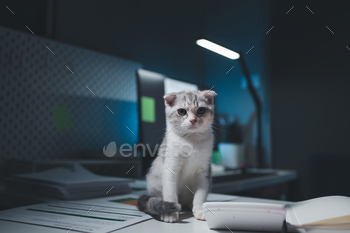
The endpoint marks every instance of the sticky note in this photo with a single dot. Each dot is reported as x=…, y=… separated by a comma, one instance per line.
x=148, y=109
x=62, y=117
x=216, y=157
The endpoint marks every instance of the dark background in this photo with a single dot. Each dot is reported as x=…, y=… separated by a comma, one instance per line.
x=301, y=67
x=310, y=86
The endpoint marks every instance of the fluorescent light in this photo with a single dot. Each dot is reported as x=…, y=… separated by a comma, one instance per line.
x=217, y=49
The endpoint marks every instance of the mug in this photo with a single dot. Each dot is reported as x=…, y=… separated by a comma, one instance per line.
x=231, y=154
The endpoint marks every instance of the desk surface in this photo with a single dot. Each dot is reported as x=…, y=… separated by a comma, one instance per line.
x=187, y=222
x=272, y=177
x=10, y=199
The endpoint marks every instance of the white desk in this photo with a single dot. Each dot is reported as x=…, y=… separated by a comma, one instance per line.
x=187, y=222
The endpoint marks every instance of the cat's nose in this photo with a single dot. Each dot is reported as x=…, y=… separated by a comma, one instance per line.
x=193, y=121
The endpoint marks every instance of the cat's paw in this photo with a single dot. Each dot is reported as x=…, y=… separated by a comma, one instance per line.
x=198, y=213
x=172, y=217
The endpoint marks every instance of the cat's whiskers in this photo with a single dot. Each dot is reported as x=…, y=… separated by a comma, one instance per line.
x=220, y=129
x=162, y=129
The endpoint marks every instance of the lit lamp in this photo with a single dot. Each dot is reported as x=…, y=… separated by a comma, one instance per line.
x=234, y=55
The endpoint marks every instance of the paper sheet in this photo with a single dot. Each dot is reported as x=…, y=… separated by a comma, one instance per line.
x=324, y=214
x=94, y=215
x=310, y=212
x=212, y=197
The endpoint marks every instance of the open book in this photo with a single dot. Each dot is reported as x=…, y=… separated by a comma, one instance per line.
x=324, y=214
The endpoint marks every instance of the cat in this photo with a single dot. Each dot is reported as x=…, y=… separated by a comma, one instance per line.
x=180, y=175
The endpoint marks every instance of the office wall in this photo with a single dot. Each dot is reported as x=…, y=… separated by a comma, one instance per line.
x=22, y=13
x=159, y=34
x=309, y=84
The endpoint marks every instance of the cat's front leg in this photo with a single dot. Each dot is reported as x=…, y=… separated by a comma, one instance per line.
x=200, y=196
x=172, y=217
x=170, y=191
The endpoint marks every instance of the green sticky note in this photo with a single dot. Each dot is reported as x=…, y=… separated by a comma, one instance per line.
x=62, y=117
x=216, y=157
x=148, y=109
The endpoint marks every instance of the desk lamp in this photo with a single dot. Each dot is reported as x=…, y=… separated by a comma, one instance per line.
x=234, y=55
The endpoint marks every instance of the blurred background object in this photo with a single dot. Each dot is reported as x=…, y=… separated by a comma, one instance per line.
x=70, y=89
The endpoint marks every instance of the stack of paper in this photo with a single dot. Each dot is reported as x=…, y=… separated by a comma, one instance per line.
x=325, y=214
x=70, y=182
x=94, y=215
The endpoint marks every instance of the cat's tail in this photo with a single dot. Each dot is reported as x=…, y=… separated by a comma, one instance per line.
x=156, y=205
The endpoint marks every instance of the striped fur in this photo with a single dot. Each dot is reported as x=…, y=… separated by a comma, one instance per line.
x=156, y=206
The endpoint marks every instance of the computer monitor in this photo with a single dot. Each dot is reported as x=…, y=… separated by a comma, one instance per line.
x=151, y=89
x=152, y=124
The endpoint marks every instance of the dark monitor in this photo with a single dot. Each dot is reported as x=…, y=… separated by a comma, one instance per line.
x=151, y=89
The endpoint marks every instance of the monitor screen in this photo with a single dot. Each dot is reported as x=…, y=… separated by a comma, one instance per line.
x=172, y=85
x=152, y=122
x=151, y=89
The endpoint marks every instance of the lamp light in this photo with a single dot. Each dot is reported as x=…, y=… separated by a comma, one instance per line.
x=217, y=49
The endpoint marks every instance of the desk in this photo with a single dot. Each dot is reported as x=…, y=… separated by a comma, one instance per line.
x=231, y=182
x=186, y=224
x=228, y=182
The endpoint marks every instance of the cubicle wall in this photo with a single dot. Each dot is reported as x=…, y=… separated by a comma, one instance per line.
x=57, y=100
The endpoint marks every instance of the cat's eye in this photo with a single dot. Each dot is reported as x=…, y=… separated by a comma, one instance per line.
x=201, y=110
x=181, y=111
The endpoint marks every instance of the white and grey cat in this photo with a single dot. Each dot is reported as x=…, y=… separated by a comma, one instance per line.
x=180, y=175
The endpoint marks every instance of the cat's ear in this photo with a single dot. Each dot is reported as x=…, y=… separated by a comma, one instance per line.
x=209, y=96
x=169, y=99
